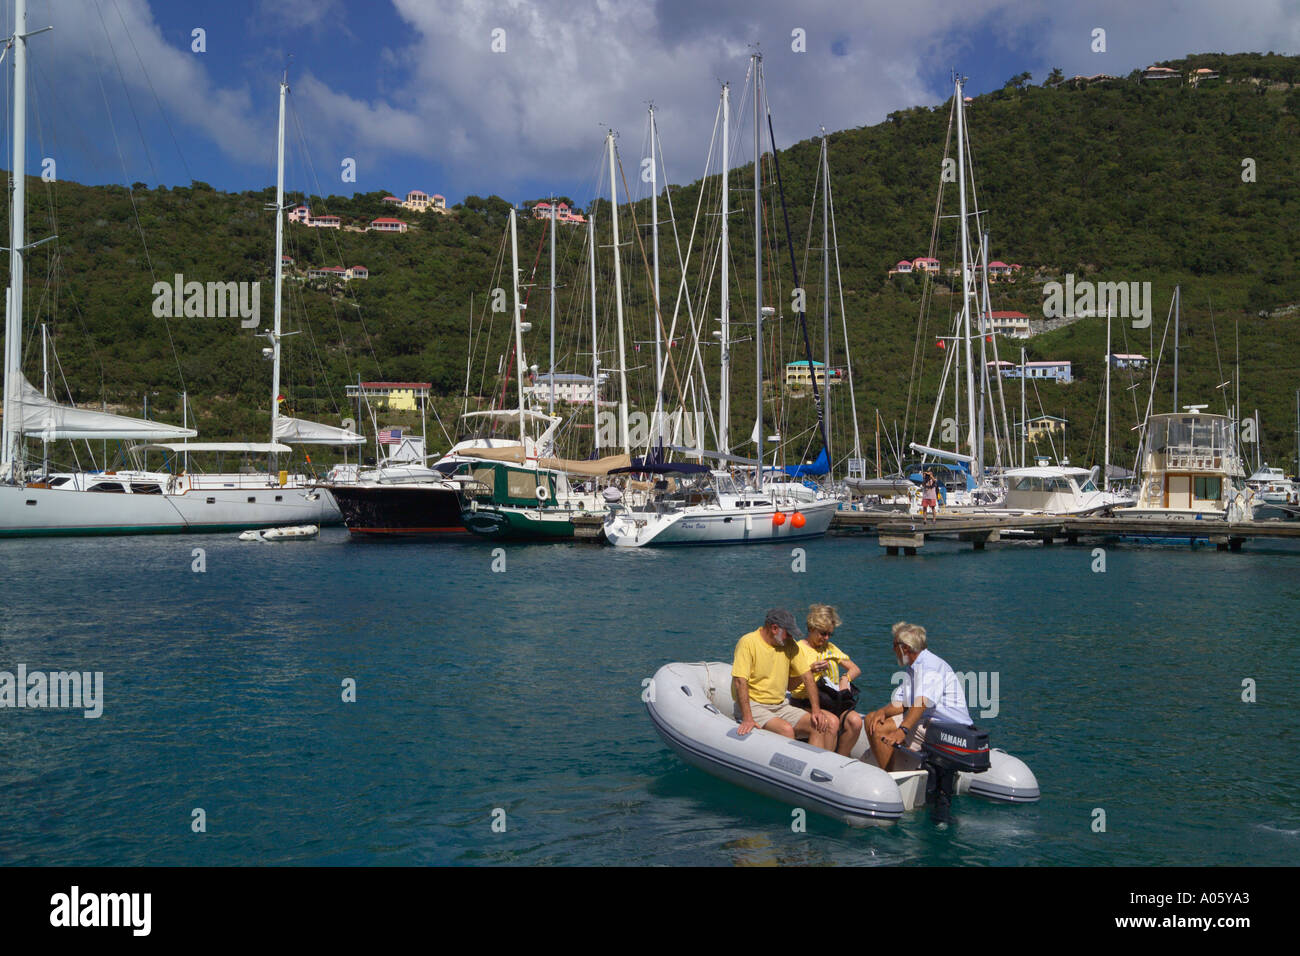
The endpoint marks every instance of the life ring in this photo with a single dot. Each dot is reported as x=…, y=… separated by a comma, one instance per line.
x=543, y=493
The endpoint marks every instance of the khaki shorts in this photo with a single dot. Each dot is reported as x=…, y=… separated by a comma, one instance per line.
x=762, y=713
x=912, y=741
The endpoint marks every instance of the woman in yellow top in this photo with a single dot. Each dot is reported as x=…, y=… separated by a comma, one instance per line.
x=827, y=660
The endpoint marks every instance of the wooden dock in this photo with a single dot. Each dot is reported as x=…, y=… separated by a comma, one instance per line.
x=905, y=534
x=589, y=527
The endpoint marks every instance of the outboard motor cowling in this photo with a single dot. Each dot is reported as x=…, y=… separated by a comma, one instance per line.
x=950, y=748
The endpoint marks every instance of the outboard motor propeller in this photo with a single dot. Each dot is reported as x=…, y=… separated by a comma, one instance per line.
x=950, y=748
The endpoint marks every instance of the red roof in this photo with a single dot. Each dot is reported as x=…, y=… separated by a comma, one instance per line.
x=998, y=265
x=1007, y=315
x=373, y=221
x=362, y=268
x=925, y=259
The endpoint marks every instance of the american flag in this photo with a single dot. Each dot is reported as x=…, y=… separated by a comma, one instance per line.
x=390, y=436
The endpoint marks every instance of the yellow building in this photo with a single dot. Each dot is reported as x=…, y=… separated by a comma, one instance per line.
x=394, y=396
x=798, y=376
x=1045, y=425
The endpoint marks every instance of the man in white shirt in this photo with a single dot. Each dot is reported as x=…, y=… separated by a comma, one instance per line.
x=930, y=690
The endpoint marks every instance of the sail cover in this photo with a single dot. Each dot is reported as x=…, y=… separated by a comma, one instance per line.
x=818, y=467
x=515, y=455
x=47, y=420
x=299, y=431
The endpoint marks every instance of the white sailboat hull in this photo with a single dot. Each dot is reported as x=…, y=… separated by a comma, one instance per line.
x=718, y=525
x=32, y=512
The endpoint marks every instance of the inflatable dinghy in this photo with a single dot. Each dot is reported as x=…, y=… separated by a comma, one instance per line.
x=298, y=532
x=691, y=708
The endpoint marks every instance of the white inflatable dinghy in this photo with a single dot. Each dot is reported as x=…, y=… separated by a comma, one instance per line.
x=299, y=532
x=691, y=708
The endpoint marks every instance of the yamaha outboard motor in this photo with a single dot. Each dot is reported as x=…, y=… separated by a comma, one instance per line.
x=948, y=749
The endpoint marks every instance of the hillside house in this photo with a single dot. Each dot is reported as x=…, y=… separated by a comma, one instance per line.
x=1160, y=73
x=393, y=396
x=797, y=374
x=1122, y=360
x=1013, y=324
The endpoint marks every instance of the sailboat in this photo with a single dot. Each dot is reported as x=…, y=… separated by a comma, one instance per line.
x=491, y=486
x=972, y=486
x=133, y=500
x=693, y=504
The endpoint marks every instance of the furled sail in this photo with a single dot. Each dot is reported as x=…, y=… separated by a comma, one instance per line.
x=299, y=431
x=515, y=455
x=47, y=420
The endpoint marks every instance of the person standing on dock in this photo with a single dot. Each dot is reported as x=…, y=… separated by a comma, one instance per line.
x=764, y=664
x=929, y=496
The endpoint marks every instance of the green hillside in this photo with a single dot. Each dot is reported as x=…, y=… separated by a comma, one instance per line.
x=1125, y=180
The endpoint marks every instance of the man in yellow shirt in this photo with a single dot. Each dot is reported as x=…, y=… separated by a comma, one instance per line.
x=765, y=662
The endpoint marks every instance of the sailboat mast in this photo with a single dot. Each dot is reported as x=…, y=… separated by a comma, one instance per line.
x=519, y=332
x=45, y=390
x=654, y=242
x=279, y=266
x=724, y=395
x=985, y=326
x=550, y=401
x=758, y=270
x=1177, y=303
x=826, y=300
x=595, y=352
x=17, y=240
x=618, y=301
x=966, y=278
x=1024, y=421
x=1105, y=467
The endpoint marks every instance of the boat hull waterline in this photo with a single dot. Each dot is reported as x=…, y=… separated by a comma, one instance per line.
x=415, y=509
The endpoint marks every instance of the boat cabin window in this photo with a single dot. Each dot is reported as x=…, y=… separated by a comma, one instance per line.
x=55, y=482
x=724, y=484
x=449, y=468
x=113, y=486
x=146, y=488
x=1088, y=486
x=1208, y=489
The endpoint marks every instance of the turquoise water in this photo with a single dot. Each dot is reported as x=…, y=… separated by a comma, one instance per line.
x=479, y=692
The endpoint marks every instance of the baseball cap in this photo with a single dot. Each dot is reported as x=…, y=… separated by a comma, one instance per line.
x=780, y=617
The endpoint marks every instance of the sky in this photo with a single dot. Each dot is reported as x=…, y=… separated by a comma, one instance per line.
x=513, y=97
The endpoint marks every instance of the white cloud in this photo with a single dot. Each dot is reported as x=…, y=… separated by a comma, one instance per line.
x=491, y=122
